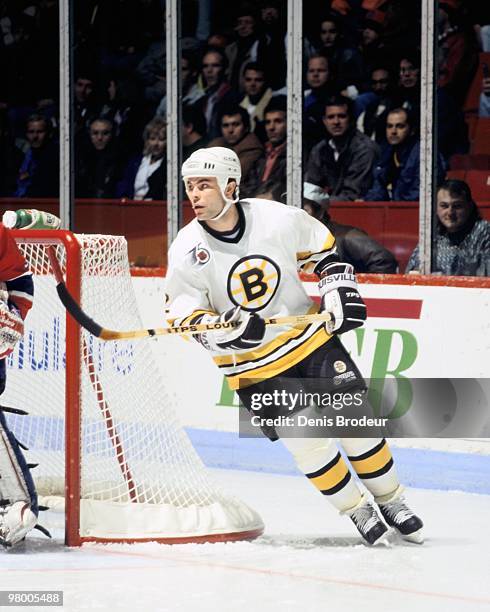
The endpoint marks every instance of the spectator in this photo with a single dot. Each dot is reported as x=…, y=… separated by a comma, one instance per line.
x=318, y=77
x=38, y=175
x=257, y=96
x=273, y=27
x=408, y=93
x=98, y=162
x=347, y=60
x=397, y=176
x=236, y=135
x=246, y=48
x=458, y=53
x=191, y=90
x=321, y=87
x=462, y=243
x=151, y=72
x=343, y=162
x=484, y=110
x=373, y=106
x=193, y=130
x=123, y=107
x=451, y=128
x=145, y=177
x=86, y=101
x=372, y=45
x=354, y=246
x=217, y=91
x=269, y=173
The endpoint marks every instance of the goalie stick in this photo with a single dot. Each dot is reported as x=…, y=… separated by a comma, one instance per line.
x=103, y=333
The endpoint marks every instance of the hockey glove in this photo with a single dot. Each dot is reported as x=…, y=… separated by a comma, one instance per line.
x=340, y=297
x=11, y=329
x=248, y=334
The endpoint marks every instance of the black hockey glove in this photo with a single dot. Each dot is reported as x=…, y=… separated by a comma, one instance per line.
x=341, y=298
x=248, y=334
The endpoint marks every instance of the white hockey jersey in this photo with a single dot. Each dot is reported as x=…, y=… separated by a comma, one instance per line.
x=257, y=270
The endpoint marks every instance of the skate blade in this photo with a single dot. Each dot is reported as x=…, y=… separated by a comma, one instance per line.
x=416, y=537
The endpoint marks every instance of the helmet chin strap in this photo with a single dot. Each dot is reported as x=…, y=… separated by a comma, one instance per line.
x=228, y=202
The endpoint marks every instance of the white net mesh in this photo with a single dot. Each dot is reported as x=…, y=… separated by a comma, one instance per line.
x=140, y=476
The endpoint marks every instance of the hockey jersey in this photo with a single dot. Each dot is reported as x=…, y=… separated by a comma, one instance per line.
x=256, y=269
x=14, y=274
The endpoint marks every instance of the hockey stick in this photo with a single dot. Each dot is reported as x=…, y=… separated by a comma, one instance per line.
x=109, y=334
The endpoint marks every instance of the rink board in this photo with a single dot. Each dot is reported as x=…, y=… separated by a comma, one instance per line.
x=405, y=332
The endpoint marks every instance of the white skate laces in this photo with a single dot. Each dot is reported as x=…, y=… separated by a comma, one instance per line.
x=398, y=515
x=368, y=522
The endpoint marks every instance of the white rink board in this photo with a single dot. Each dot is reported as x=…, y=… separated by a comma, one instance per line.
x=450, y=338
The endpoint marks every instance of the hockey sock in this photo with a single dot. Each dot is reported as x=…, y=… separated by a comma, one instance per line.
x=321, y=462
x=373, y=463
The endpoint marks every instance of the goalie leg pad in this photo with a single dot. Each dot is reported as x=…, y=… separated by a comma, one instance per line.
x=16, y=482
x=18, y=497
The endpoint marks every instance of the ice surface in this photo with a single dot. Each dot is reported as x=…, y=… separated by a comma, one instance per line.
x=309, y=559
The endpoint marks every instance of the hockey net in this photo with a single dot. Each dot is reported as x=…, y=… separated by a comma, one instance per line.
x=102, y=425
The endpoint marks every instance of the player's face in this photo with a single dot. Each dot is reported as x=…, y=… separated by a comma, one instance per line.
x=205, y=196
x=232, y=129
x=336, y=120
x=397, y=128
x=253, y=82
x=276, y=127
x=452, y=211
x=317, y=73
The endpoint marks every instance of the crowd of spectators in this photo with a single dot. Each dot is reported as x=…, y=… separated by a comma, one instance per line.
x=361, y=105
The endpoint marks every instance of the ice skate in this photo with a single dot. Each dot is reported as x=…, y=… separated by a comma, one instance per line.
x=368, y=522
x=398, y=515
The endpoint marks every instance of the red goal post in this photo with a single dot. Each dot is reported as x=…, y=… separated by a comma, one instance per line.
x=102, y=424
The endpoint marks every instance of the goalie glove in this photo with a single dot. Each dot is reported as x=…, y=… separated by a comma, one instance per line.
x=11, y=329
x=340, y=297
x=247, y=334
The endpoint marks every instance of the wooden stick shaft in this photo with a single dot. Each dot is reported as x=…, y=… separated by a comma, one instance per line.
x=292, y=320
x=110, y=334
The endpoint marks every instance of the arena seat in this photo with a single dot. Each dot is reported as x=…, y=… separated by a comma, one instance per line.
x=479, y=182
x=472, y=101
x=481, y=141
x=469, y=162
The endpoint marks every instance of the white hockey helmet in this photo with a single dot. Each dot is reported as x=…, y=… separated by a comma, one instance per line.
x=218, y=162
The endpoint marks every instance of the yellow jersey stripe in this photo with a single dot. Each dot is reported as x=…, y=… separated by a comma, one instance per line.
x=327, y=246
x=228, y=361
x=297, y=354
x=193, y=315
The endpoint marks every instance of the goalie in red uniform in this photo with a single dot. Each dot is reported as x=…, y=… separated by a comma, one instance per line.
x=18, y=499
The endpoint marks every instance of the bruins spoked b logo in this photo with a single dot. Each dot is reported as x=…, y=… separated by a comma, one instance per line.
x=253, y=281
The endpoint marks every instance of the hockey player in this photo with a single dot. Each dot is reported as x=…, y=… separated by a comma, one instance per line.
x=18, y=499
x=238, y=261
